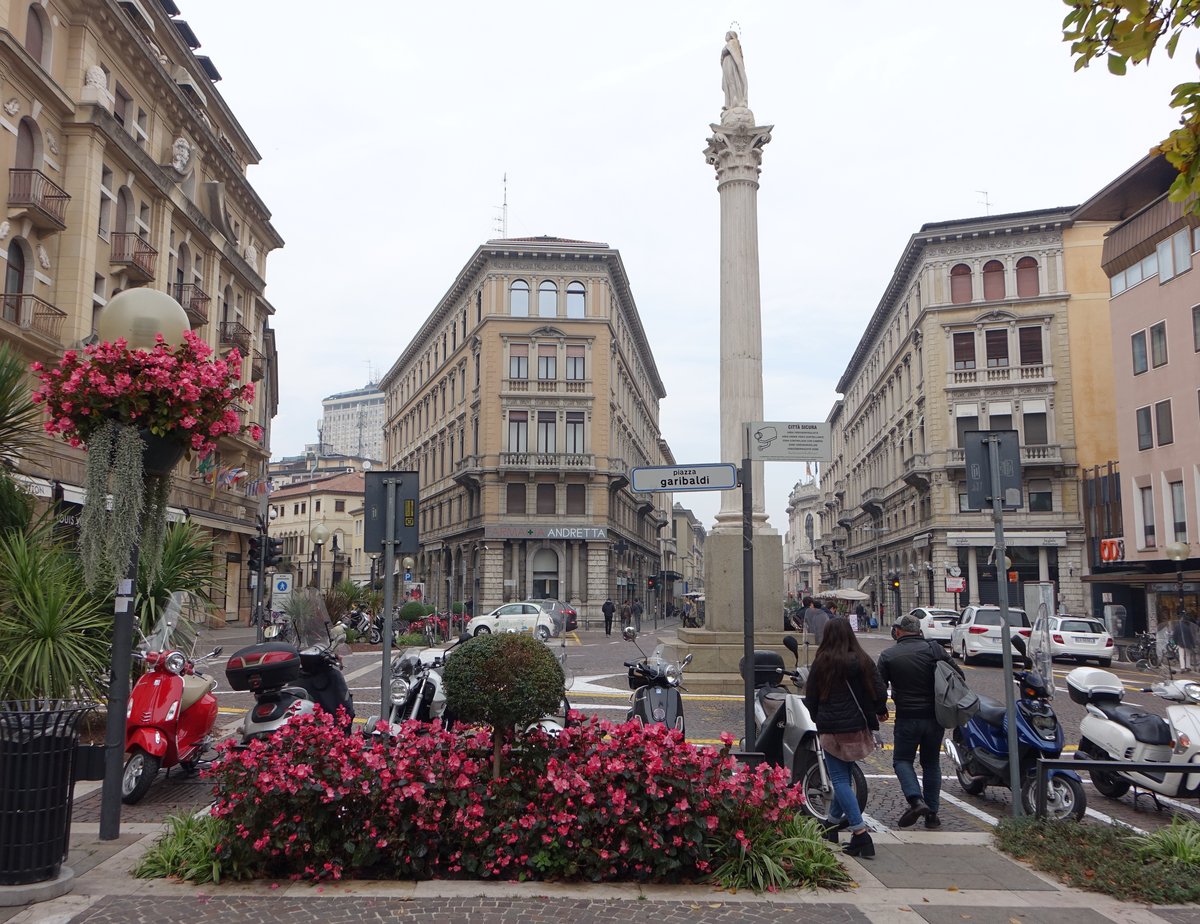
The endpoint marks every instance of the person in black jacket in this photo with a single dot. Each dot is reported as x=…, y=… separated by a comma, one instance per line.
x=909, y=667
x=847, y=699
x=608, y=609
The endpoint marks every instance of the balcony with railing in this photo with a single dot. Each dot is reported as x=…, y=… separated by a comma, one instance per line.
x=1030, y=455
x=258, y=365
x=872, y=499
x=44, y=201
x=235, y=334
x=29, y=312
x=549, y=461
x=999, y=375
x=194, y=301
x=548, y=386
x=133, y=253
x=916, y=471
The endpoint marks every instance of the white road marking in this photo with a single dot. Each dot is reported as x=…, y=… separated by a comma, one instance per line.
x=970, y=809
x=1109, y=820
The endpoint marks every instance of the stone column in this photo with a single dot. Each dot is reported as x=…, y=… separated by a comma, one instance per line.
x=1044, y=565
x=972, y=575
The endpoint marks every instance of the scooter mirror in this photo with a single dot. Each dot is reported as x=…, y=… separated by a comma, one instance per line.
x=216, y=651
x=1019, y=643
x=629, y=634
x=790, y=643
x=270, y=631
x=465, y=637
x=686, y=661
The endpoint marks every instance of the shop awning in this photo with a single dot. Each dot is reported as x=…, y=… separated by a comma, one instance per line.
x=1138, y=578
x=217, y=521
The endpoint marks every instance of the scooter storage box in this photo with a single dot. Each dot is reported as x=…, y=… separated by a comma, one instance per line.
x=767, y=667
x=1092, y=685
x=263, y=667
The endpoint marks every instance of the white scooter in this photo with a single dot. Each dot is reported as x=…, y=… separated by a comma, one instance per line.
x=1113, y=730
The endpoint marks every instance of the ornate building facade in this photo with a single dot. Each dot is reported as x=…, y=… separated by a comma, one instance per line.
x=802, y=569
x=971, y=333
x=525, y=398
x=127, y=168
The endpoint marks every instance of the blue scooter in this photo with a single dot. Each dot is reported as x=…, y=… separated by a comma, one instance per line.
x=979, y=749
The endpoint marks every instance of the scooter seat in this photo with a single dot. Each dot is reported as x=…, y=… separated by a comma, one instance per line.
x=991, y=711
x=1147, y=727
x=194, y=687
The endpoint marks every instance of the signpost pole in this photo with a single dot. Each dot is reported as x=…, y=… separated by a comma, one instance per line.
x=748, y=592
x=1010, y=703
x=389, y=568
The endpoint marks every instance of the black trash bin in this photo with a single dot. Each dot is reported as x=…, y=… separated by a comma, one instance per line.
x=37, y=751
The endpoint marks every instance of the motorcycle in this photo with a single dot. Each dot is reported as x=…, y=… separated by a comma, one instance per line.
x=655, y=683
x=291, y=680
x=1113, y=730
x=358, y=619
x=979, y=749
x=172, y=709
x=786, y=734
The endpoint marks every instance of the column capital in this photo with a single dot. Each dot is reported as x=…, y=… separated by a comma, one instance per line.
x=735, y=148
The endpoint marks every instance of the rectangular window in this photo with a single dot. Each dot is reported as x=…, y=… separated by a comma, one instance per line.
x=121, y=101
x=106, y=201
x=1158, y=344
x=574, y=432
x=1140, y=358
x=1179, y=511
x=575, y=363
x=1166, y=267
x=1000, y=415
x=1147, y=495
x=1029, y=340
x=964, y=351
x=317, y=506
x=996, y=342
x=547, y=362
x=1041, y=497
x=339, y=506
x=1145, y=428
x=1181, y=244
x=967, y=418
x=546, y=427
x=1035, y=422
x=576, y=499
x=518, y=362
x=1149, y=266
x=1116, y=285
x=515, y=499
x=518, y=431
x=139, y=128
x=546, y=500
x=1196, y=328
x=1162, y=423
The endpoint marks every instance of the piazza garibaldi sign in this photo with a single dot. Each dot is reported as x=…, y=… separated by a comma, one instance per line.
x=593, y=533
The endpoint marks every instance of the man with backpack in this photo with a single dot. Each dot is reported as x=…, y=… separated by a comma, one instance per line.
x=911, y=667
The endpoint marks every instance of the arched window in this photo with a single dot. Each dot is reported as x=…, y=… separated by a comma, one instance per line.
x=993, y=280
x=1027, y=277
x=35, y=36
x=27, y=146
x=124, y=221
x=547, y=300
x=182, y=265
x=960, y=284
x=576, y=300
x=14, y=282
x=518, y=299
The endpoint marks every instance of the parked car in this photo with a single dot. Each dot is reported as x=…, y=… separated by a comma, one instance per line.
x=514, y=617
x=936, y=624
x=564, y=615
x=978, y=631
x=1078, y=637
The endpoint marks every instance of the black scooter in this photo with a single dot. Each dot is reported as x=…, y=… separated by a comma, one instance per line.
x=656, y=683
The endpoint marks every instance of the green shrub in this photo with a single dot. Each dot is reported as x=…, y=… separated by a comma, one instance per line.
x=410, y=613
x=1178, y=843
x=410, y=640
x=457, y=608
x=506, y=681
x=774, y=855
x=188, y=850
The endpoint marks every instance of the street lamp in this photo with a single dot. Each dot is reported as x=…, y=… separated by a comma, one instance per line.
x=1179, y=552
x=139, y=316
x=374, y=556
x=319, y=535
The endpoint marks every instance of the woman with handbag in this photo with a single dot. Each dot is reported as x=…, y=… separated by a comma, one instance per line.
x=847, y=699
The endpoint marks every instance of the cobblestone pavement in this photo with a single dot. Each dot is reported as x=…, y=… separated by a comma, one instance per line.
x=478, y=910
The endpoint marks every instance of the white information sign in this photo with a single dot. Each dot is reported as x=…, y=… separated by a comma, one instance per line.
x=775, y=441
x=281, y=590
x=712, y=476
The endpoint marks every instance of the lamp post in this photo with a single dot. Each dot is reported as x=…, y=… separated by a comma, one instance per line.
x=374, y=561
x=876, y=531
x=1178, y=552
x=319, y=535
x=138, y=315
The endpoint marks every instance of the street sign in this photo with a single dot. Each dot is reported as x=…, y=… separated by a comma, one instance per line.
x=979, y=469
x=773, y=441
x=712, y=476
x=375, y=512
x=281, y=590
x=956, y=585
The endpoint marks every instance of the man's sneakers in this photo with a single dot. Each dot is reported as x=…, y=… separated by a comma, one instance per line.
x=916, y=810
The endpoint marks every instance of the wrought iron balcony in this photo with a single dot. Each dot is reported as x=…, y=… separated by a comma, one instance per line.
x=29, y=312
x=131, y=252
x=235, y=334
x=194, y=301
x=44, y=201
x=258, y=365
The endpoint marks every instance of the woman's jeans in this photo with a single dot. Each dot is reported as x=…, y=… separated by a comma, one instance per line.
x=845, y=803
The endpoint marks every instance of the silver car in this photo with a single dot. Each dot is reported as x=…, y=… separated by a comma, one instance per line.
x=564, y=615
x=936, y=624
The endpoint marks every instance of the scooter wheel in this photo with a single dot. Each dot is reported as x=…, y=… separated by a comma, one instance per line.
x=140, y=772
x=971, y=785
x=374, y=636
x=1065, y=797
x=817, y=800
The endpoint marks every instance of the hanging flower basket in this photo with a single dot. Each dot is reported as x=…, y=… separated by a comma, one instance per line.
x=138, y=412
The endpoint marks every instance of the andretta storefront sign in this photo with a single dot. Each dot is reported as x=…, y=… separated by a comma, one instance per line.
x=592, y=533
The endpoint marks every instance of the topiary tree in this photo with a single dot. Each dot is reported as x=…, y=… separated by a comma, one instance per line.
x=410, y=613
x=506, y=681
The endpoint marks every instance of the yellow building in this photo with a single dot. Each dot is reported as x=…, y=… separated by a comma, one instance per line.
x=524, y=400
x=127, y=168
x=334, y=502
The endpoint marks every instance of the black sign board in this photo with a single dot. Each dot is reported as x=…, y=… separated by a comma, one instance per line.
x=979, y=469
x=375, y=511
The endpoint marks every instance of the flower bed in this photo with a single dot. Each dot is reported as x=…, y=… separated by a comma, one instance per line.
x=600, y=802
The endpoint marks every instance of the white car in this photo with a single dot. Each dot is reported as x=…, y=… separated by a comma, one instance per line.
x=1077, y=637
x=514, y=617
x=978, y=631
x=936, y=624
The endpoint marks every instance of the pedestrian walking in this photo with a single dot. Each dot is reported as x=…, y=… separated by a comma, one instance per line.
x=815, y=619
x=909, y=666
x=861, y=612
x=637, y=615
x=626, y=615
x=847, y=699
x=1187, y=637
x=608, y=609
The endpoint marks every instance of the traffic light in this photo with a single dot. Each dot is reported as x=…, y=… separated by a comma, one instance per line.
x=274, y=552
x=256, y=547
x=895, y=581
x=651, y=582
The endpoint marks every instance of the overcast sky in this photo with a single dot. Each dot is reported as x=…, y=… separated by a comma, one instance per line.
x=385, y=130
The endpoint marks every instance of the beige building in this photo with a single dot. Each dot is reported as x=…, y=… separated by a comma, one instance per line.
x=801, y=568
x=971, y=333
x=690, y=535
x=336, y=502
x=127, y=168
x=525, y=398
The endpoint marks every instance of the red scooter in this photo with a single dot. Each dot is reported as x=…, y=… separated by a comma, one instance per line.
x=172, y=709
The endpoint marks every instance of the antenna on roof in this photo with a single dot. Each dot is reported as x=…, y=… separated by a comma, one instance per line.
x=985, y=202
x=502, y=219
x=370, y=372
